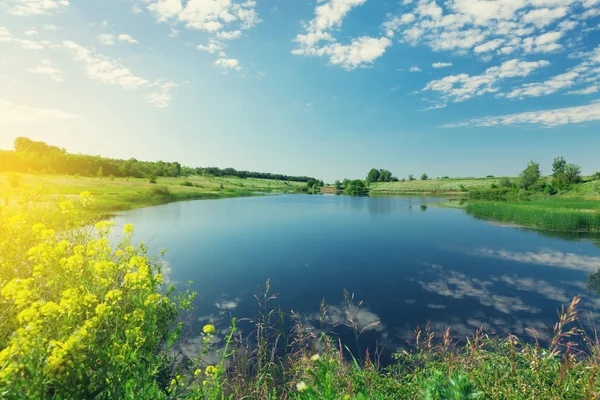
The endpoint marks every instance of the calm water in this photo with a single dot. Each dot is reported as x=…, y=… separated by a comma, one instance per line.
x=409, y=263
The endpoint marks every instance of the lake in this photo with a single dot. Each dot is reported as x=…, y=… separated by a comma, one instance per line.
x=411, y=264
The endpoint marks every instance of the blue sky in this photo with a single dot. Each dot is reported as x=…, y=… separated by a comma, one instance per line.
x=329, y=88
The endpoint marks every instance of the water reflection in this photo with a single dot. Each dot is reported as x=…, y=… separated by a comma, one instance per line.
x=411, y=264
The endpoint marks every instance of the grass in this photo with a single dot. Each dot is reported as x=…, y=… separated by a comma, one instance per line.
x=441, y=186
x=114, y=194
x=560, y=214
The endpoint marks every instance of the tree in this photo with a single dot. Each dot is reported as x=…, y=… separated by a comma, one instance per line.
x=100, y=173
x=356, y=188
x=558, y=166
x=411, y=177
x=572, y=173
x=424, y=177
x=373, y=175
x=385, y=175
x=530, y=175
x=506, y=183
x=338, y=185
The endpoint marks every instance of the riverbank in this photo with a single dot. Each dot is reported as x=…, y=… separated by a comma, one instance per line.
x=557, y=213
x=449, y=186
x=118, y=194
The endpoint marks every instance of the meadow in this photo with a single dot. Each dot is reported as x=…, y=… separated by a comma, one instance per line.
x=113, y=194
x=88, y=317
x=434, y=186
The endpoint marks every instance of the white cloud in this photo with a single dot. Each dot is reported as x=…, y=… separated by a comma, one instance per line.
x=588, y=90
x=107, y=39
x=11, y=113
x=488, y=46
x=547, y=257
x=127, y=39
x=34, y=7
x=584, y=73
x=103, y=69
x=206, y=15
x=47, y=68
x=546, y=118
x=52, y=27
x=30, y=44
x=481, y=26
x=228, y=63
x=31, y=32
x=544, y=16
x=5, y=35
x=319, y=41
x=212, y=47
x=110, y=39
x=359, y=53
x=415, y=69
x=462, y=87
x=441, y=64
x=229, y=35
x=162, y=97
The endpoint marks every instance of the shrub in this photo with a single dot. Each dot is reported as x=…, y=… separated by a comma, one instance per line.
x=111, y=177
x=80, y=318
x=152, y=179
x=14, y=180
x=159, y=191
x=187, y=183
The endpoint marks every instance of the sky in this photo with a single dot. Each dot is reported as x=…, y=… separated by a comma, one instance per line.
x=326, y=88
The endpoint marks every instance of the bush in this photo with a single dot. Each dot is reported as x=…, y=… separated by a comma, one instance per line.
x=187, y=183
x=14, y=180
x=80, y=318
x=159, y=191
x=152, y=179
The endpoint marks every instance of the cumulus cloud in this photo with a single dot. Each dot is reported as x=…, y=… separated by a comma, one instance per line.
x=229, y=35
x=31, y=32
x=482, y=26
x=15, y=113
x=47, y=68
x=5, y=35
x=588, y=71
x=441, y=64
x=415, y=69
x=109, y=39
x=206, y=15
x=587, y=90
x=319, y=41
x=106, y=70
x=127, y=39
x=228, y=64
x=462, y=87
x=546, y=118
x=162, y=97
x=34, y=7
x=212, y=47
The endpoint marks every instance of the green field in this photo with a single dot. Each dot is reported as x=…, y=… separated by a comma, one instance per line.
x=114, y=194
x=435, y=186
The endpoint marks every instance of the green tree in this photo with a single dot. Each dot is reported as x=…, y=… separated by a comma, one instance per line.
x=338, y=185
x=558, y=166
x=373, y=175
x=424, y=177
x=530, y=175
x=100, y=173
x=411, y=177
x=572, y=173
x=356, y=188
x=385, y=175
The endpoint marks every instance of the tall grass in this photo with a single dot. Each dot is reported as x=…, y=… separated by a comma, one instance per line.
x=547, y=215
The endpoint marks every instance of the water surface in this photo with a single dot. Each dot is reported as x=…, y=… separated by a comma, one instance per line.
x=411, y=264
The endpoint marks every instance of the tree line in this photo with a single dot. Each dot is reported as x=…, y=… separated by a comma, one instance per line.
x=33, y=156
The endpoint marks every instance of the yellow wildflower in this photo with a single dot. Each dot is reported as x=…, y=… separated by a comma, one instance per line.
x=208, y=329
x=128, y=229
x=301, y=386
x=316, y=357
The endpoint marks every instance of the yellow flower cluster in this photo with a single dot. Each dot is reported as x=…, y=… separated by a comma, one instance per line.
x=70, y=303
